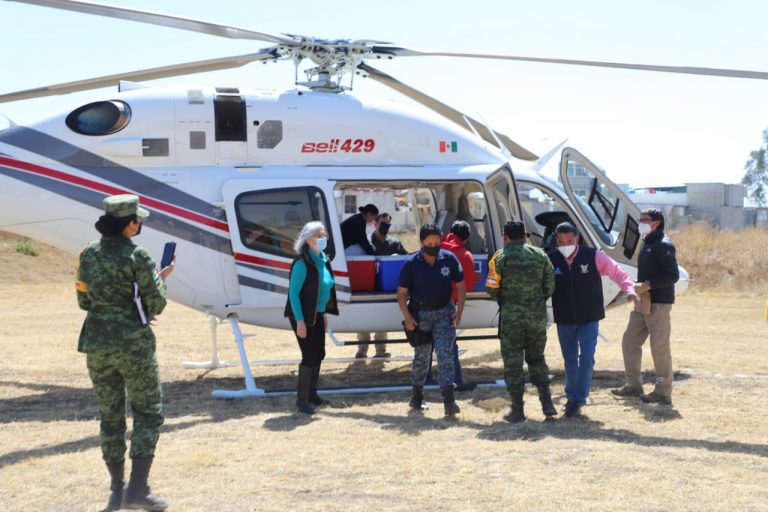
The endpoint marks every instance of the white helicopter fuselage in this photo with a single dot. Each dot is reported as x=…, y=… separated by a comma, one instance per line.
x=193, y=154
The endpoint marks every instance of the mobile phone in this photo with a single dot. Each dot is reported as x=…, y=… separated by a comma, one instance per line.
x=168, y=252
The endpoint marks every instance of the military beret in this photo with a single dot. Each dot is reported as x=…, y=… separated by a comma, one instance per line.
x=124, y=205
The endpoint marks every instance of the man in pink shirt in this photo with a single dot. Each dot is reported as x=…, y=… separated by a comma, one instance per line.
x=577, y=305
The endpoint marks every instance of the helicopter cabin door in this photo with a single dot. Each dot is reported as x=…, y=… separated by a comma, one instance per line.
x=265, y=217
x=501, y=191
x=606, y=210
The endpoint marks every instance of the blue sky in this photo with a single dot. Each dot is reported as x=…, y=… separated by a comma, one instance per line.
x=646, y=129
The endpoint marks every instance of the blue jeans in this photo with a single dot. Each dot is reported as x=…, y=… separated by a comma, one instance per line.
x=577, y=342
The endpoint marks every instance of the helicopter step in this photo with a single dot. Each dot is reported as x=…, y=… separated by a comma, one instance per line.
x=251, y=389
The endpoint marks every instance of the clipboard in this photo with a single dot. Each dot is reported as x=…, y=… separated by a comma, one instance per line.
x=139, y=305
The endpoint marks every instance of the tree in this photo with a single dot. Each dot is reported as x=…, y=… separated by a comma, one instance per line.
x=756, y=177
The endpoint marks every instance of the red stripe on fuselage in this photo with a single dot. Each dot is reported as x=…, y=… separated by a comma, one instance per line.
x=110, y=190
x=284, y=265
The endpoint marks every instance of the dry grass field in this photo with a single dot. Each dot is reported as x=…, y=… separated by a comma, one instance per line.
x=709, y=451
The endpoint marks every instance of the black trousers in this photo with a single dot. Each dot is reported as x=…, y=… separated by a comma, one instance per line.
x=313, y=346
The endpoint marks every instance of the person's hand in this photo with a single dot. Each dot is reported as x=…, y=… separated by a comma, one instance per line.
x=643, y=287
x=410, y=323
x=325, y=320
x=456, y=319
x=301, y=329
x=165, y=272
x=635, y=299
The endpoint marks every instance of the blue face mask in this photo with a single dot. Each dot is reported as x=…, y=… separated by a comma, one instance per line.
x=384, y=228
x=321, y=244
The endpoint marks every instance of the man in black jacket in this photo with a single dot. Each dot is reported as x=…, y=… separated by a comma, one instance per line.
x=657, y=273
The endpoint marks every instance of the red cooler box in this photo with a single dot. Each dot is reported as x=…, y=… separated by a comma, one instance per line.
x=388, y=274
x=362, y=273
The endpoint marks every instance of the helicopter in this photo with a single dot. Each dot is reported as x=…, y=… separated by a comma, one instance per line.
x=231, y=174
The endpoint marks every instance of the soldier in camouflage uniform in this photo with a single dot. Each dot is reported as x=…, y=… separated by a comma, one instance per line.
x=120, y=346
x=521, y=279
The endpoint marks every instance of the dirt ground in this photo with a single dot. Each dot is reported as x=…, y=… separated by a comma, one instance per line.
x=709, y=451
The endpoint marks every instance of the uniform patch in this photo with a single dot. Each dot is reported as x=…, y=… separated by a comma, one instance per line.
x=584, y=269
x=558, y=271
x=445, y=271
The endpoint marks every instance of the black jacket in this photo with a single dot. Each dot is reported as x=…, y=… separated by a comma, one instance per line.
x=578, y=296
x=353, y=232
x=309, y=291
x=657, y=264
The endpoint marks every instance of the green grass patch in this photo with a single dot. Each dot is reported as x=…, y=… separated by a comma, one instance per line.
x=27, y=247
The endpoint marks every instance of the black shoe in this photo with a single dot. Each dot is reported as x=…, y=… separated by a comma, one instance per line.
x=515, y=416
x=547, y=407
x=567, y=404
x=138, y=495
x=302, y=390
x=516, y=413
x=465, y=386
x=417, y=399
x=117, y=486
x=572, y=410
x=656, y=398
x=314, y=398
x=449, y=403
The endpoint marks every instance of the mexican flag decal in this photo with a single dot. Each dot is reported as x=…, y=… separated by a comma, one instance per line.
x=448, y=147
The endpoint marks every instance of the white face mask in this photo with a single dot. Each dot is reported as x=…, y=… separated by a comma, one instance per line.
x=321, y=244
x=644, y=228
x=566, y=250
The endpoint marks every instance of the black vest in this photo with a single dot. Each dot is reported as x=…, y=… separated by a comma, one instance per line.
x=578, y=296
x=309, y=292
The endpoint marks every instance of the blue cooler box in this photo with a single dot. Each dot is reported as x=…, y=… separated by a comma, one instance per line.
x=481, y=271
x=388, y=272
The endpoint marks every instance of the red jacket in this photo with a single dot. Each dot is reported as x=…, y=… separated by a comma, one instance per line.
x=454, y=244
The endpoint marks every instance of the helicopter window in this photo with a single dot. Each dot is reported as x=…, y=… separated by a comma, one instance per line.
x=229, y=112
x=542, y=212
x=196, y=140
x=99, y=118
x=269, y=134
x=154, y=147
x=270, y=220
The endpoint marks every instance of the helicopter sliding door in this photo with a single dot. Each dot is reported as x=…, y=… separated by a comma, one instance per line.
x=609, y=214
x=503, y=203
x=265, y=217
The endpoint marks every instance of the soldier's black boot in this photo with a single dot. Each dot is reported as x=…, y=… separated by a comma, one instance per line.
x=417, y=399
x=314, y=398
x=117, y=472
x=451, y=407
x=516, y=414
x=137, y=494
x=545, y=397
x=302, y=390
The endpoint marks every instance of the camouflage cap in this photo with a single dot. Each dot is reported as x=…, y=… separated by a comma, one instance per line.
x=124, y=205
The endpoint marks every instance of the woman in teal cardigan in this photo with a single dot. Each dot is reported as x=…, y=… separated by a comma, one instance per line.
x=311, y=297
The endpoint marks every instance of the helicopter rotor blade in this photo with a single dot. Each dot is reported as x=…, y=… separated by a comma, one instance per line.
x=160, y=19
x=449, y=113
x=397, y=51
x=141, y=75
